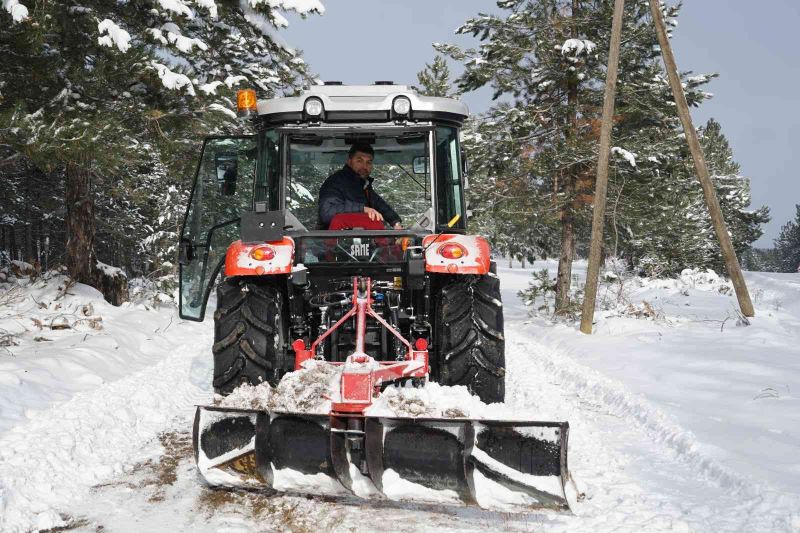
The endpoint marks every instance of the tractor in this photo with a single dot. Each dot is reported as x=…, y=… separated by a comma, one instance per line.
x=391, y=307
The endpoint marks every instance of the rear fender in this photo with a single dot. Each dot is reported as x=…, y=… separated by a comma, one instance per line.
x=476, y=260
x=239, y=263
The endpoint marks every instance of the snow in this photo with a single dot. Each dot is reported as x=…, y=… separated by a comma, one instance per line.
x=681, y=420
x=211, y=87
x=173, y=80
x=116, y=35
x=309, y=389
x=290, y=480
x=222, y=109
x=18, y=11
x=110, y=271
x=630, y=157
x=300, y=6
x=398, y=488
x=177, y=6
x=576, y=47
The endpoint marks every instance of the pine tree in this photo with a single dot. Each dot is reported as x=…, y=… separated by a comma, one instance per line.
x=733, y=192
x=548, y=58
x=434, y=79
x=787, y=245
x=123, y=89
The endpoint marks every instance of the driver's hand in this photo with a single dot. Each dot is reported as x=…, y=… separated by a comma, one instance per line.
x=397, y=225
x=373, y=213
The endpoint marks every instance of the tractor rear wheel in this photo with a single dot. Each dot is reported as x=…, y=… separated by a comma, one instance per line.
x=249, y=329
x=469, y=336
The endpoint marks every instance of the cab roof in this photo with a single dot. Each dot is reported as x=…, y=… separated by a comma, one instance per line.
x=361, y=103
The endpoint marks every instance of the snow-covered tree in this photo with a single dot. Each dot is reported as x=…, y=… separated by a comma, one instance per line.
x=547, y=59
x=100, y=89
x=434, y=79
x=787, y=245
x=733, y=192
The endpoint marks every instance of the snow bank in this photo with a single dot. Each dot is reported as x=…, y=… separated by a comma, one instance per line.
x=82, y=385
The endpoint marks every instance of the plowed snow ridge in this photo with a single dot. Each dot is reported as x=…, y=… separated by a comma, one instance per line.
x=65, y=450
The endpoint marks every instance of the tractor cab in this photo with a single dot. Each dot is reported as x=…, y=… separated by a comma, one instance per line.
x=264, y=188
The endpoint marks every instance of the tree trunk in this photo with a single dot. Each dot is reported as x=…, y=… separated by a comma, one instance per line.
x=81, y=231
x=564, y=276
x=80, y=223
x=565, y=258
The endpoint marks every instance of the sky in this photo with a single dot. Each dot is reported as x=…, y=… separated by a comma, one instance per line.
x=750, y=44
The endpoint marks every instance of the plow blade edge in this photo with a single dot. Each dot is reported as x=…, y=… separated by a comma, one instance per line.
x=489, y=463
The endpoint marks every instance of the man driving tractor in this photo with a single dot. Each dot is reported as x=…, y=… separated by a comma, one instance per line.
x=349, y=190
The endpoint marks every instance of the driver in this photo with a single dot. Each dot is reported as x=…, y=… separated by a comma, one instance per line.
x=349, y=190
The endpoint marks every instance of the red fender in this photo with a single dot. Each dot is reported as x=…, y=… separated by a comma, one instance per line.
x=239, y=262
x=476, y=258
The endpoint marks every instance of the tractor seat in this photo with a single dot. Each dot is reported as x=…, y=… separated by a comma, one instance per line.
x=344, y=221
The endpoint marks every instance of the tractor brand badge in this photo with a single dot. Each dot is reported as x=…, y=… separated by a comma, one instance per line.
x=360, y=250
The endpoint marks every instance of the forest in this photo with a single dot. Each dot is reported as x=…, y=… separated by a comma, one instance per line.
x=103, y=109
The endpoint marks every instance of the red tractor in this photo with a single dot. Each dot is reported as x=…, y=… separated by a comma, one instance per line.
x=390, y=306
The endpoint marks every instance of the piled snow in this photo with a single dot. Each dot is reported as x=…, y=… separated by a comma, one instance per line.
x=308, y=390
x=432, y=401
x=247, y=396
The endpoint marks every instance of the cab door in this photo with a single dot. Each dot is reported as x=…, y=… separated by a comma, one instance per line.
x=223, y=187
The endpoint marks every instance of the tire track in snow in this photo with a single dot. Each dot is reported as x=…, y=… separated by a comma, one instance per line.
x=594, y=401
x=60, y=453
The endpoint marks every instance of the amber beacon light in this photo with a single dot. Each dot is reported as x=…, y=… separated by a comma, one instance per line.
x=246, y=102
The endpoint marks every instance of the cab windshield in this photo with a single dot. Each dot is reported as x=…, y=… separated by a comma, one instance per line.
x=401, y=172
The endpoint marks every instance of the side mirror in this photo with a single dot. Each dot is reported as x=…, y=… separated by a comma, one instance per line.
x=420, y=164
x=227, y=171
x=185, y=252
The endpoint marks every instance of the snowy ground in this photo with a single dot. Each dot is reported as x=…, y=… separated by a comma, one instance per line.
x=680, y=421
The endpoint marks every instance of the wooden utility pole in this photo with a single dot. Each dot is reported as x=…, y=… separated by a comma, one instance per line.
x=601, y=182
x=720, y=229
x=728, y=253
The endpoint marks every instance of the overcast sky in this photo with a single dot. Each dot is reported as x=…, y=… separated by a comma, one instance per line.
x=751, y=44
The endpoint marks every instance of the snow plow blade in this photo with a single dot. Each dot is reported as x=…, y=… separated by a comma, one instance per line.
x=489, y=463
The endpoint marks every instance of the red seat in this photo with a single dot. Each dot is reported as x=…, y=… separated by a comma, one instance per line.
x=355, y=221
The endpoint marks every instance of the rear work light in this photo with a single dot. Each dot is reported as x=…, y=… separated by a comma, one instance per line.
x=313, y=107
x=401, y=105
x=452, y=250
x=246, y=102
x=262, y=253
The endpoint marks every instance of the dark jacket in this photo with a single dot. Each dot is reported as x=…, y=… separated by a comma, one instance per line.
x=346, y=192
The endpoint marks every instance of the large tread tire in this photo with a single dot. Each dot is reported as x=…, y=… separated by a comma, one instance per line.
x=469, y=336
x=249, y=332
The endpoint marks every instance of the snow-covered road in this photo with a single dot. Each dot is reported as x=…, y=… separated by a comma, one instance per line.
x=111, y=448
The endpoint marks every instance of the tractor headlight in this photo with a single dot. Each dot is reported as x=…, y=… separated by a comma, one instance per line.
x=401, y=105
x=313, y=107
